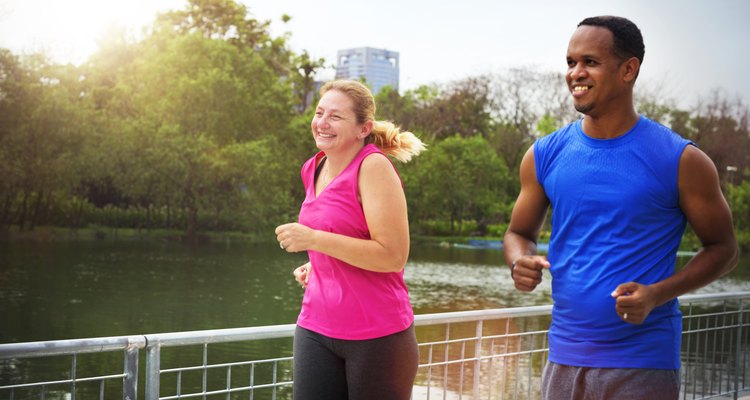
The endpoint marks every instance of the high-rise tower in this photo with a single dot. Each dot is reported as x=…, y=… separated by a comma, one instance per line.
x=379, y=67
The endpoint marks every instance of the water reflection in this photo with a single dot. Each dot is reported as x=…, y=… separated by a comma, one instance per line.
x=445, y=286
x=54, y=291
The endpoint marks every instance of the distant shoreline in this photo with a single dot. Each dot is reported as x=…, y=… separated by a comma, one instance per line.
x=63, y=234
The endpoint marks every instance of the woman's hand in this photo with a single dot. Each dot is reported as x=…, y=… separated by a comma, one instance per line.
x=302, y=274
x=294, y=237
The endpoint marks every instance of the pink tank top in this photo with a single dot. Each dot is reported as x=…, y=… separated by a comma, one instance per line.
x=342, y=301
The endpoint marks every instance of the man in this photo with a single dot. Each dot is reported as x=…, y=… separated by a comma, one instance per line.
x=621, y=188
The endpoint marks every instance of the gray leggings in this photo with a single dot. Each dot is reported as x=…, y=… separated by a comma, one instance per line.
x=564, y=382
x=332, y=369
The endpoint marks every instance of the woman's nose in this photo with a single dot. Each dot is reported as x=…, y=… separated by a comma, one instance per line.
x=322, y=121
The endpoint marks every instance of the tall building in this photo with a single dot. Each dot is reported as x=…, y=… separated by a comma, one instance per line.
x=379, y=67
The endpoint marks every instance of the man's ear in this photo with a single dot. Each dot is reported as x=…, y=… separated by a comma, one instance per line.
x=630, y=69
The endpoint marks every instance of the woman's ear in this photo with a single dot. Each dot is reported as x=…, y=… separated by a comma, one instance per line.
x=366, y=129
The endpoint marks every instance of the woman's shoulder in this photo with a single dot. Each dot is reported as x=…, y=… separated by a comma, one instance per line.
x=371, y=158
x=375, y=161
x=377, y=167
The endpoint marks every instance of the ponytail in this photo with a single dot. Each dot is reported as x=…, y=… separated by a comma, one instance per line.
x=401, y=145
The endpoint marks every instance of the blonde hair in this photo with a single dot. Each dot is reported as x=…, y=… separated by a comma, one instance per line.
x=401, y=145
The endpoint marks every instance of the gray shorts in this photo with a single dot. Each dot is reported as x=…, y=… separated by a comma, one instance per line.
x=564, y=382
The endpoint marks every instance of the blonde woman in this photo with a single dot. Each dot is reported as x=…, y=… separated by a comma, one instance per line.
x=355, y=334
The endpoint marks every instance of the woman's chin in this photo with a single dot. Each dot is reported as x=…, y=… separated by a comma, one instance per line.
x=324, y=144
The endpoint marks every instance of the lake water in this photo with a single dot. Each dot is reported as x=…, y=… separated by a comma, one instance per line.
x=68, y=290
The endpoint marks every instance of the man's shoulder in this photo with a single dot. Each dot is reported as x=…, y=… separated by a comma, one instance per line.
x=659, y=128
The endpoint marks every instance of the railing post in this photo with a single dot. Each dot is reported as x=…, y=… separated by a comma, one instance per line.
x=153, y=366
x=738, y=351
x=130, y=369
x=73, y=375
x=132, y=359
x=477, y=361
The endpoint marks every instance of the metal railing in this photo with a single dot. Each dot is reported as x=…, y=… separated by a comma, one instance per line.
x=487, y=354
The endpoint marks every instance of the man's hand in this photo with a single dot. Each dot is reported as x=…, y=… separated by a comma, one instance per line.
x=633, y=302
x=526, y=272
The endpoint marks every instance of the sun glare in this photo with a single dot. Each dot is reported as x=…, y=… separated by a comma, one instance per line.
x=68, y=31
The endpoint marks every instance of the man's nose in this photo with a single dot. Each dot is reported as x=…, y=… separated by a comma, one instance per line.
x=577, y=71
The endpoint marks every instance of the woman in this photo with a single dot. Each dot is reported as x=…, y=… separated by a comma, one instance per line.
x=355, y=335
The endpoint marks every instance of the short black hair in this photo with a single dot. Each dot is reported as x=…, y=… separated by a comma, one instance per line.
x=628, y=41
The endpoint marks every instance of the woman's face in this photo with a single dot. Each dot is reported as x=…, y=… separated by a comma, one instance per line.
x=335, y=125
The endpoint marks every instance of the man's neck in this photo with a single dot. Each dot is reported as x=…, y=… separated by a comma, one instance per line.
x=609, y=126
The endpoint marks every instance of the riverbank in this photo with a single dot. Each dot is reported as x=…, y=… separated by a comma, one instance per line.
x=61, y=234
x=688, y=246
x=93, y=233
x=100, y=233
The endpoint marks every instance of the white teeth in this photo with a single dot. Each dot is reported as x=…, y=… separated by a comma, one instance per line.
x=580, y=88
x=325, y=135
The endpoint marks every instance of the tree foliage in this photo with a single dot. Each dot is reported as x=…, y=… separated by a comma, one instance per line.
x=459, y=179
x=204, y=122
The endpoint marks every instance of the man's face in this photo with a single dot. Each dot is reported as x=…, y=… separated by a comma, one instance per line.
x=595, y=76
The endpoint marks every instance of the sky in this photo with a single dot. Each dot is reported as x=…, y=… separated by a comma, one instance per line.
x=692, y=46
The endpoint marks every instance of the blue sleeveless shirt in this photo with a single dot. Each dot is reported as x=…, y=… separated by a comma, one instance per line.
x=615, y=218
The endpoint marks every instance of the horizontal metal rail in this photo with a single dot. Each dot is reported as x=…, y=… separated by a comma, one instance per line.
x=496, y=353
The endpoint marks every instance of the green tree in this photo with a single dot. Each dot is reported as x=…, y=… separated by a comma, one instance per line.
x=304, y=80
x=462, y=108
x=227, y=21
x=260, y=185
x=392, y=106
x=45, y=124
x=651, y=102
x=738, y=197
x=459, y=179
x=546, y=125
x=719, y=126
x=191, y=94
x=521, y=97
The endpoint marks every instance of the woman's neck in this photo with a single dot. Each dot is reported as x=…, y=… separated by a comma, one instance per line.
x=338, y=160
